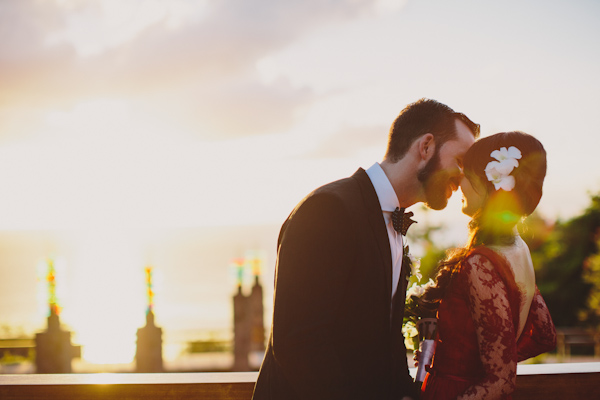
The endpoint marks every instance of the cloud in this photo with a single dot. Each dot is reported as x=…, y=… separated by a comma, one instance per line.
x=230, y=39
x=29, y=69
x=245, y=107
x=351, y=141
x=209, y=58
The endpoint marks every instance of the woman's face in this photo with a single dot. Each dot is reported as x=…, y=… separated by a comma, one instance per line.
x=472, y=199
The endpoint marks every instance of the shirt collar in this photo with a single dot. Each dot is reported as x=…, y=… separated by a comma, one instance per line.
x=385, y=192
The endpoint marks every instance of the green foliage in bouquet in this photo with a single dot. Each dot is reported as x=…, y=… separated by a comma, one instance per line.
x=414, y=310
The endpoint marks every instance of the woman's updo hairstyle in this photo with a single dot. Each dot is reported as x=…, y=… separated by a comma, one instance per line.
x=494, y=223
x=529, y=174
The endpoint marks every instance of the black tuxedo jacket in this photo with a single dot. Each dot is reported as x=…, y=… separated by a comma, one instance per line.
x=335, y=333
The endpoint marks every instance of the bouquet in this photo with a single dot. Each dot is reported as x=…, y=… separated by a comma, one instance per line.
x=420, y=326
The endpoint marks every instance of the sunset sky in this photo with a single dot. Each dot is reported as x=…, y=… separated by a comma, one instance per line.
x=123, y=120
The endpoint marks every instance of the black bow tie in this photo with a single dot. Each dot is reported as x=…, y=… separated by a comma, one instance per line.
x=401, y=220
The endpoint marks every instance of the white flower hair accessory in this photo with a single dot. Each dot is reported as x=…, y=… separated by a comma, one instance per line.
x=498, y=172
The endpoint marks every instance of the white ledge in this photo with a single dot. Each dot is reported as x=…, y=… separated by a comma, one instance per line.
x=561, y=368
x=129, y=378
x=234, y=377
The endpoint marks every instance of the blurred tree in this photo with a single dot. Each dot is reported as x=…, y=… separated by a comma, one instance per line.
x=431, y=253
x=535, y=231
x=559, y=258
x=591, y=275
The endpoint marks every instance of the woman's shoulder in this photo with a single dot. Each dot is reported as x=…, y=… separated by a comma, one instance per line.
x=483, y=263
x=474, y=267
x=482, y=259
x=485, y=258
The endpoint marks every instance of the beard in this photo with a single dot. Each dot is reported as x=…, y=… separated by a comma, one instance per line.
x=435, y=182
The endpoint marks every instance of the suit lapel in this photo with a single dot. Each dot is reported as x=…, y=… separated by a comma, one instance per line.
x=377, y=225
x=400, y=297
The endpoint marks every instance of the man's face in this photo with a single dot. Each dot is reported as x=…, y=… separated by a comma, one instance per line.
x=441, y=176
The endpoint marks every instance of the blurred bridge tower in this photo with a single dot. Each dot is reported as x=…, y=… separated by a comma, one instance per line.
x=53, y=349
x=248, y=321
x=241, y=332
x=257, y=326
x=148, y=356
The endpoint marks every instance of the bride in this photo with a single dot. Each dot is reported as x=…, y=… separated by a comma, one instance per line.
x=490, y=313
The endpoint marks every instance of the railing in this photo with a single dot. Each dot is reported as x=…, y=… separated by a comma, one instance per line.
x=539, y=381
x=581, y=337
x=558, y=381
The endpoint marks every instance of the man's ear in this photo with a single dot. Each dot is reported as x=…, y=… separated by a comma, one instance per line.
x=426, y=146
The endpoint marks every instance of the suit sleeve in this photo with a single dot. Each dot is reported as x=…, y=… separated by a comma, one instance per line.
x=315, y=257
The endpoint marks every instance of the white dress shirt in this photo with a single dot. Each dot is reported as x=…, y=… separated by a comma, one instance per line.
x=389, y=202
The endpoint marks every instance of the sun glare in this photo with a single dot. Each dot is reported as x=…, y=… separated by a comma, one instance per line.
x=109, y=285
x=110, y=341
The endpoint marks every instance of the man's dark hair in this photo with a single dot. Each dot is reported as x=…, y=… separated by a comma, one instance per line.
x=421, y=117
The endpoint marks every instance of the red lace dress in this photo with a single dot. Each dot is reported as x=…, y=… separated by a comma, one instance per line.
x=477, y=351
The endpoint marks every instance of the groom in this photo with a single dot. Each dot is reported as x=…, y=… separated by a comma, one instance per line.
x=340, y=284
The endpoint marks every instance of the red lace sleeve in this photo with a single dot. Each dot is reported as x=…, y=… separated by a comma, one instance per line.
x=539, y=333
x=493, y=318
